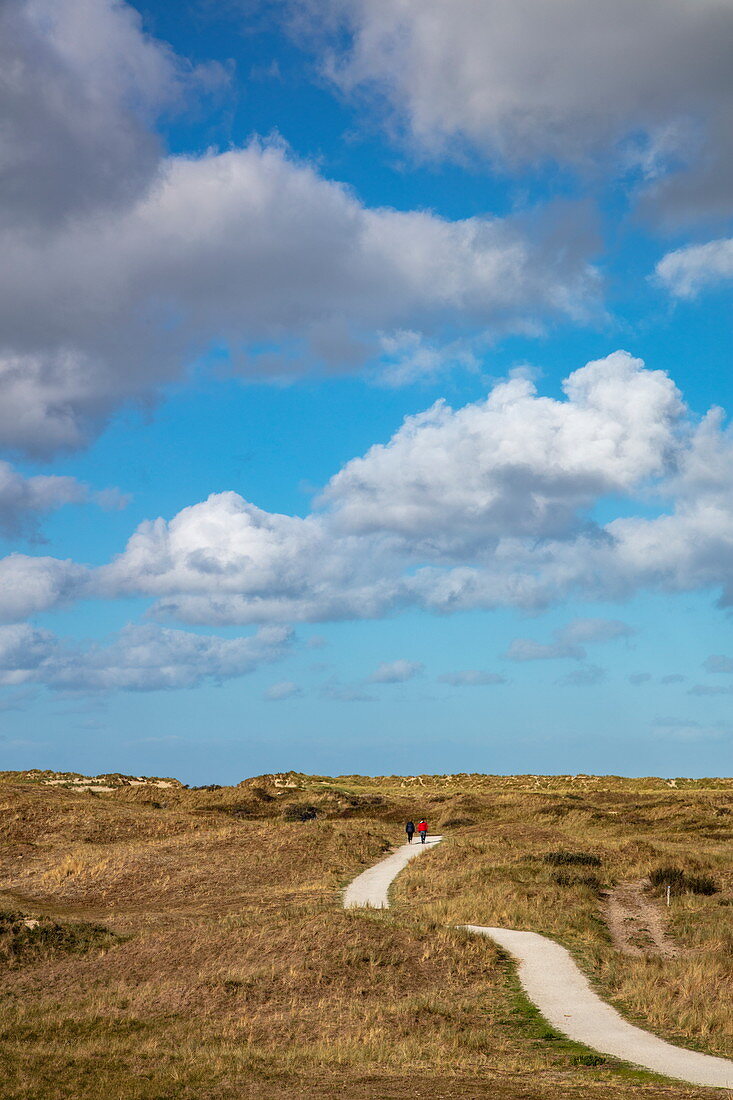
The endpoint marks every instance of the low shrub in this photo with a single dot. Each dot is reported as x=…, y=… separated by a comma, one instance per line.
x=563, y=859
x=589, y=882
x=701, y=884
x=681, y=883
x=9, y=917
x=299, y=812
x=26, y=939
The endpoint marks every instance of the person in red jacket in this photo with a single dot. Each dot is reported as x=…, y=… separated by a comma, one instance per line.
x=422, y=828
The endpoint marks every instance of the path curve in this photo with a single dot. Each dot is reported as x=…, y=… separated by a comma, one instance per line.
x=370, y=889
x=561, y=992
x=563, y=995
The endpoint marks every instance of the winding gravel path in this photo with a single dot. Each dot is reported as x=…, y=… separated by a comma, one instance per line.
x=370, y=889
x=564, y=997
x=559, y=989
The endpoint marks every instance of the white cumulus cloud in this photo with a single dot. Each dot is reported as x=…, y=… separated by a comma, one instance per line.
x=491, y=505
x=257, y=253
x=515, y=464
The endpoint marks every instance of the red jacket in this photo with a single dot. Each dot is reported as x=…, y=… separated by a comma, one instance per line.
x=422, y=827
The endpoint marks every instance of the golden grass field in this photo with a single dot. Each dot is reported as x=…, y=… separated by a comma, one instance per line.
x=191, y=943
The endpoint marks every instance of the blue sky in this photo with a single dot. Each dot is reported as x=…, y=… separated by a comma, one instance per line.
x=355, y=368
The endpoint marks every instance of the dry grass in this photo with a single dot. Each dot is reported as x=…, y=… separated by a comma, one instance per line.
x=237, y=975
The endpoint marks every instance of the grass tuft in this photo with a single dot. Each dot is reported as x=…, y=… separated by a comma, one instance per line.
x=26, y=939
x=564, y=859
x=587, y=882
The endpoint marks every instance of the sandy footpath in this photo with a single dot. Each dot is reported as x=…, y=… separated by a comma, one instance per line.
x=371, y=888
x=558, y=988
x=564, y=997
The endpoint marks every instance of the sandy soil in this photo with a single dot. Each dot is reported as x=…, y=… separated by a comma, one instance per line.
x=637, y=923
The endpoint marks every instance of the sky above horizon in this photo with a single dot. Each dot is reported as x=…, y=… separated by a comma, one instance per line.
x=365, y=387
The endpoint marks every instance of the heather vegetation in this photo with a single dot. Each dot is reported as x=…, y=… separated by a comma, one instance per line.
x=190, y=943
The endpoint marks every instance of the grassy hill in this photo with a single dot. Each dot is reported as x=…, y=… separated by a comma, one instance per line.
x=159, y=941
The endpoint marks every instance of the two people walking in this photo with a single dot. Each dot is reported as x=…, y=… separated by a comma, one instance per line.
x=422, y=828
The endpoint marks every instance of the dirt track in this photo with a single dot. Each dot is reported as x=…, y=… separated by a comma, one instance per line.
x=636, y=923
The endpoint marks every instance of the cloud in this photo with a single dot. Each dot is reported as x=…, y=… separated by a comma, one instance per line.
x=23, y=500
x=471, y=677
x=345, y=693
x=30, y=585
x=486, y=506
x=644, y=90
x=396, y=672
x=525, y=649
x=140, y=658
x=639, y=678
x=673, y=678
x=688, y=271
x=23, y=649
x=408, y=357
x=82, y=83
x=122, y=266
x=515, y=464
x=718, y=663
x=284, y=689
x=225, y=560
x=81, y=90
x=583, y=677
x=709, y=689
x=568, y=640
x=596, y=630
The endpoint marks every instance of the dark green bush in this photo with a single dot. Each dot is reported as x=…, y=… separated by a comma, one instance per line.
x=300, y=811
x=563, y=859
x=701, y=884
x=21, y=941
x=682, y=883
x=590, y=882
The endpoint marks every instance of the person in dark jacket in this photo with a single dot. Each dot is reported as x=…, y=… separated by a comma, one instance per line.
x=410, y=830
x=422, y=828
